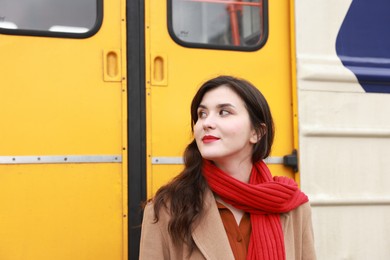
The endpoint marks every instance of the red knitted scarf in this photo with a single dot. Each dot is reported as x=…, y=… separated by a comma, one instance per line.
x=264, y=198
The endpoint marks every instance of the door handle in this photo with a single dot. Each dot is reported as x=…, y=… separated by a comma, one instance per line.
x=159, y=73
x=112, y=65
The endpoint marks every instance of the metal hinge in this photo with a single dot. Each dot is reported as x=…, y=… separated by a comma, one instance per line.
x=291, y=160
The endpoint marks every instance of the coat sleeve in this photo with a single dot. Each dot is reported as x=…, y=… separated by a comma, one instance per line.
x=308, y=249
x=153, y=243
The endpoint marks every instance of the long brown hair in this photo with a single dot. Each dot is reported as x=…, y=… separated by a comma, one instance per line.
x=183, y=196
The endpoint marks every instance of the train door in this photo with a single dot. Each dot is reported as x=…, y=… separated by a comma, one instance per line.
x=191, y=41
x=63, y=130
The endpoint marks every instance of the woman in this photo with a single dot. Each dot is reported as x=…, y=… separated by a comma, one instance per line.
x=225, y=203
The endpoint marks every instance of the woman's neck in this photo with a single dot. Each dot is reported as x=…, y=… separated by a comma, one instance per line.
x=238, y=170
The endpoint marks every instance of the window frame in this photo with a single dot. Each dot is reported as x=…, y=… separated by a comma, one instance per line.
x=89, y=33
x=216, y=46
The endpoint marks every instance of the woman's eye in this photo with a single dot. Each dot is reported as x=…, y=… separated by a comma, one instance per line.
x=201, y=114
x=224, y=113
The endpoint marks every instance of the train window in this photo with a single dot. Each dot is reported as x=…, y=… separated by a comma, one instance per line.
x=219, y=24
x=56, y=18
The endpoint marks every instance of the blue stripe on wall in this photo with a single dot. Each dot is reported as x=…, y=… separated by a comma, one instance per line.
x=363, y=43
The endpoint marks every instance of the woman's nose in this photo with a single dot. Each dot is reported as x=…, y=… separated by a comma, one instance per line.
x=209, y=122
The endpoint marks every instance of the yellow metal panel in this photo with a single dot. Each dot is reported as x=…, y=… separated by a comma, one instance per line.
x=124, y=129
x=294, y=83
x=60, y=211
x=54, y=101
x=162, y=174
x=168, y=108
x=148, y=102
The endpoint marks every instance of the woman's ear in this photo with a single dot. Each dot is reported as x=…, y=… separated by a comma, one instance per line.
x=254, y=137
x=257, y=134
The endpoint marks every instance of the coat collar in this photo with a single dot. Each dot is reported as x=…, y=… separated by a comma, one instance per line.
x=209, y=233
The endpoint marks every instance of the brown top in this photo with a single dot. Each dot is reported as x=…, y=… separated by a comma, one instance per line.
x=211, y=241
x=238, y=235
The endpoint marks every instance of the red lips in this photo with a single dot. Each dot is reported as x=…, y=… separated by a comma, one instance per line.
x=209, y=139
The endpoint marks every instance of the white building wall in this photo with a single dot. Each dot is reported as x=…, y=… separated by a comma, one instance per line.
x=344, y=136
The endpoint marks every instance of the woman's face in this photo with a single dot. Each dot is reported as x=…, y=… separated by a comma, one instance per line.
x=224, y=132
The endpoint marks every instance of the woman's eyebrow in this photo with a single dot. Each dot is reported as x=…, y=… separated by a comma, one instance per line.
x=225, y=105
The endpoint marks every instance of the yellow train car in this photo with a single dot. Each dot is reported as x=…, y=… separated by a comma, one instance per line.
x=94, y=108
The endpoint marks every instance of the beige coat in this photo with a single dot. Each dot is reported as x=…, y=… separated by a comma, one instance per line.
x=211, y=239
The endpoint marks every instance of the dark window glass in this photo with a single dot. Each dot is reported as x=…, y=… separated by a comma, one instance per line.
x=225, y=24
x=72, y=18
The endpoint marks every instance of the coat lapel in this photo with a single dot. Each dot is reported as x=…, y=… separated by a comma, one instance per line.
x=209, y=234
